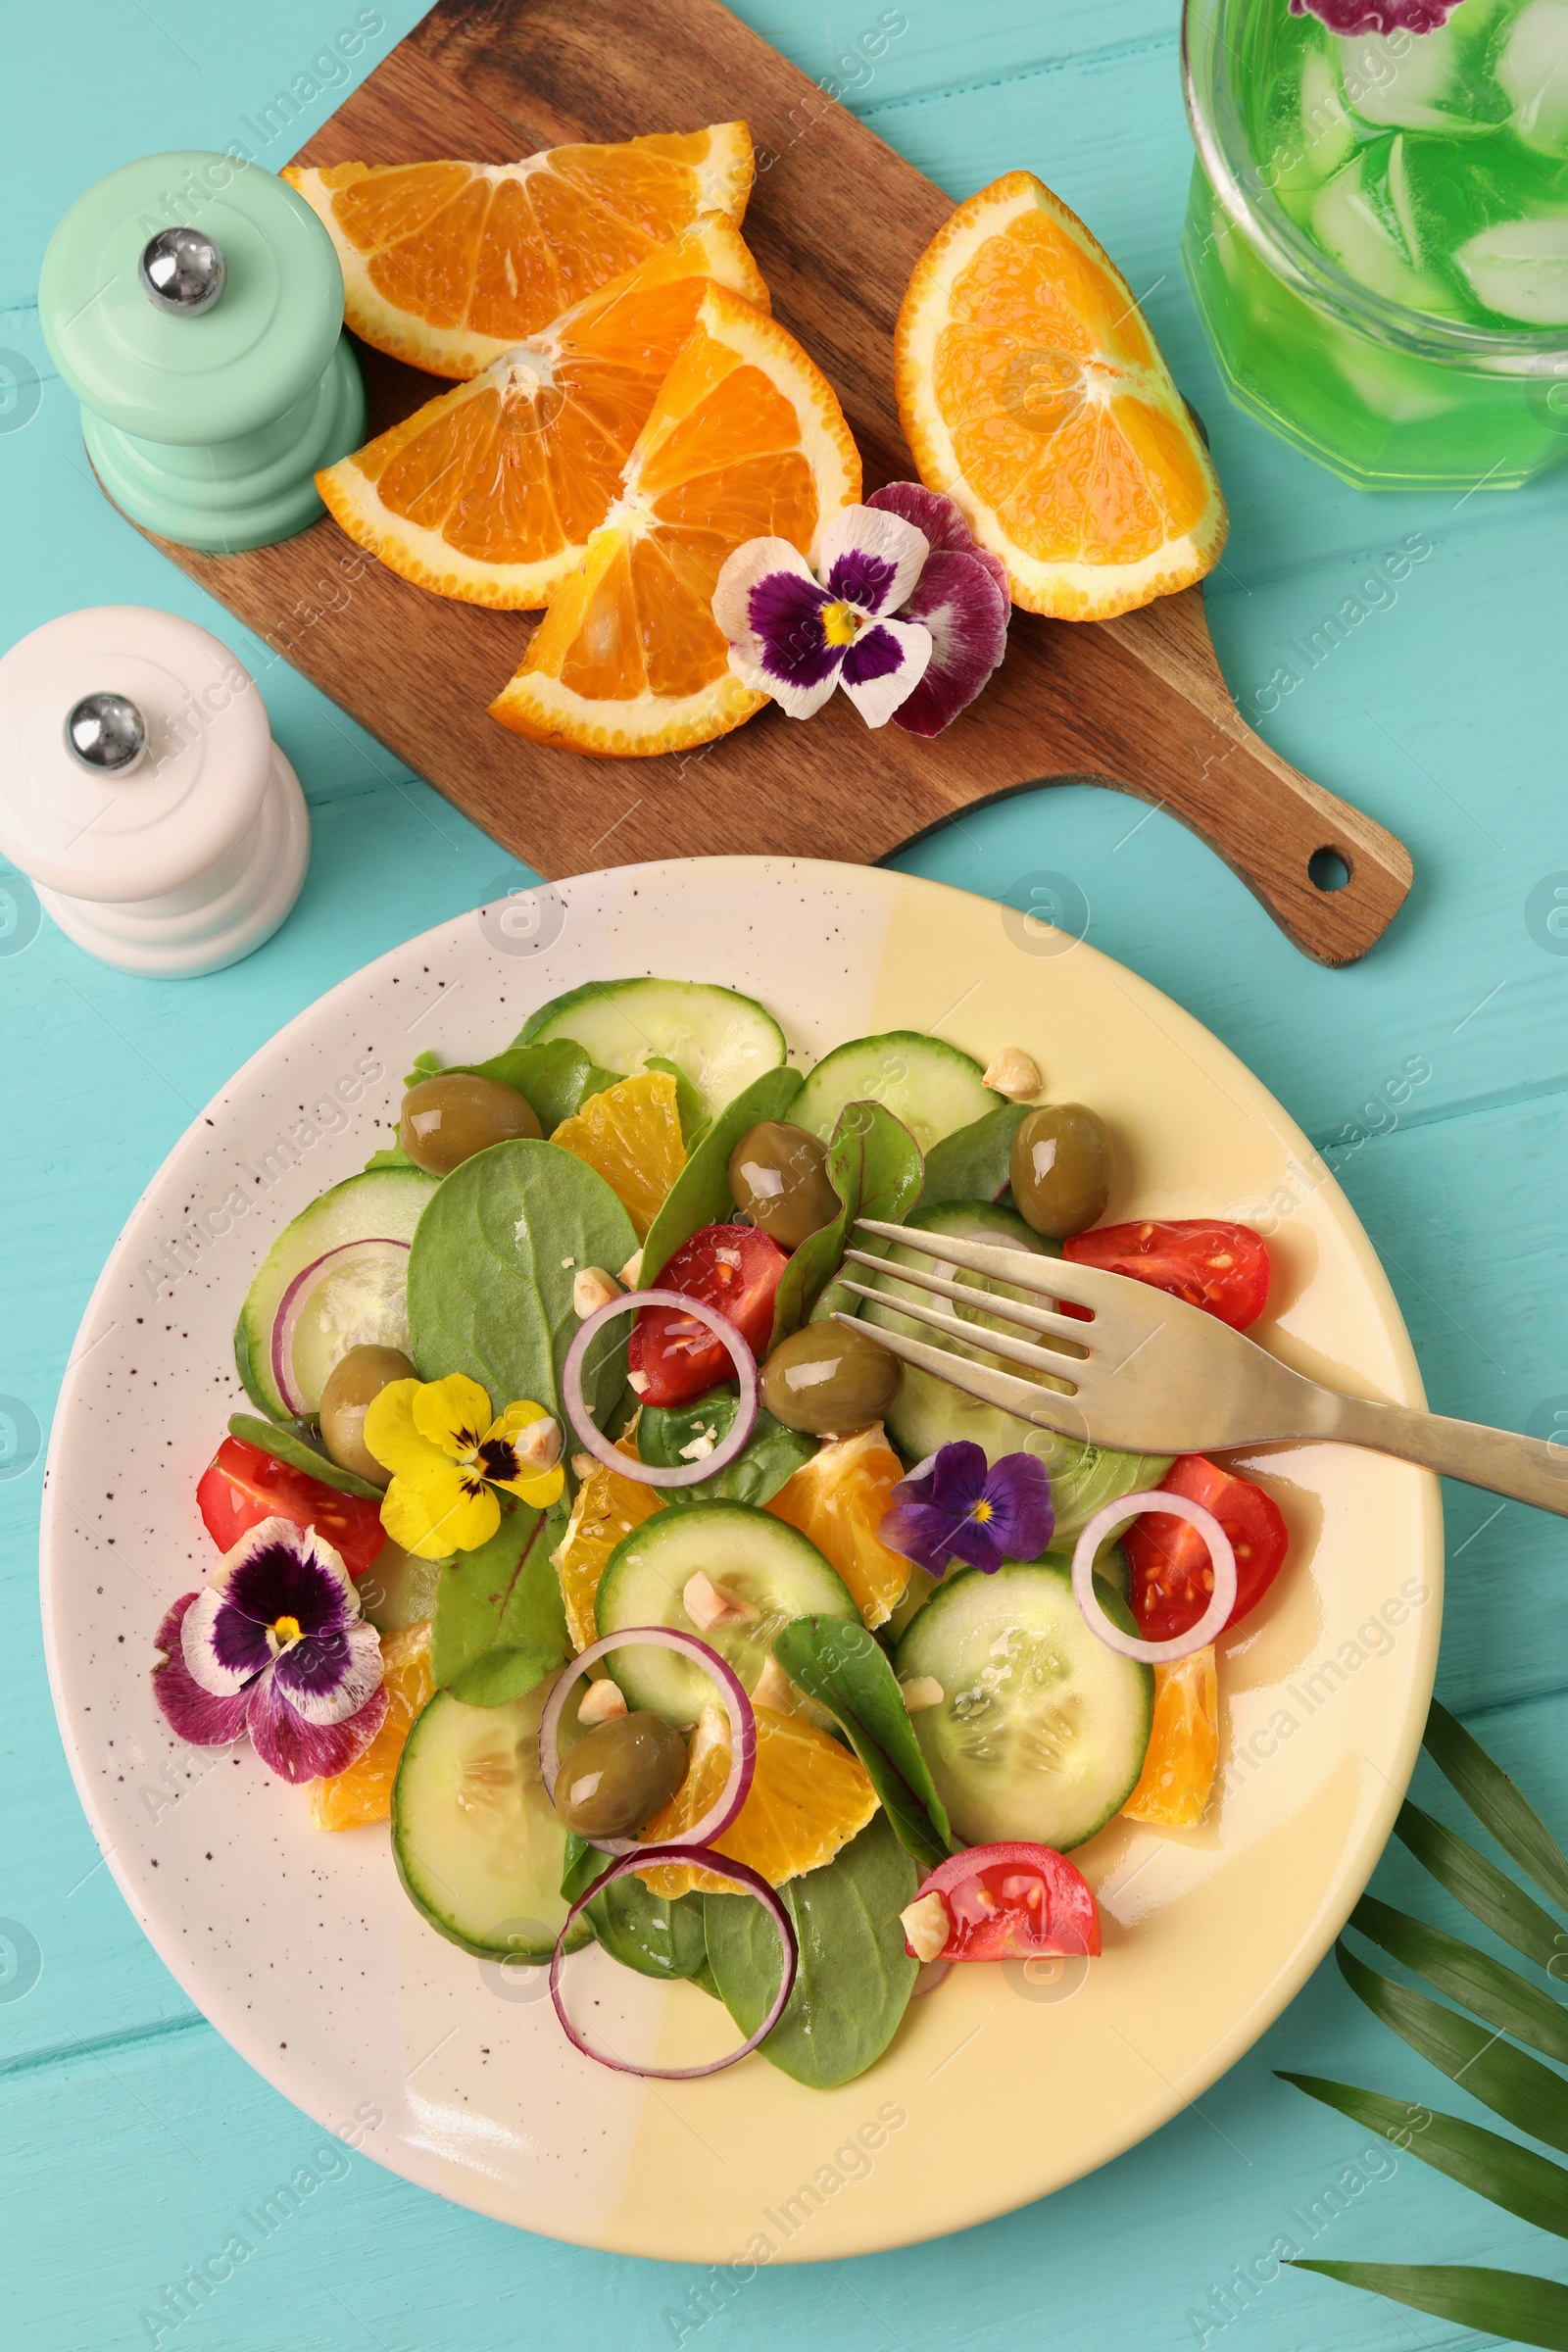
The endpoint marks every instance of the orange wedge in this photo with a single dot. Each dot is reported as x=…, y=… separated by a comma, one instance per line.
x=1033, y=394
x=446, y=264
x=745, y=440
x=809, y=1796
x=363, y=1794
x=607, y=1508
x=489, y=492
x=837, y=1500
x=630, y=1136
x=1178, y=1772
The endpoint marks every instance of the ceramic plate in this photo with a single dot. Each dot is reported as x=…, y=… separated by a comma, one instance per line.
x=300, y=1945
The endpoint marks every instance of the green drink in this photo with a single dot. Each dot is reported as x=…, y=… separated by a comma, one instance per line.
x=1378, y=234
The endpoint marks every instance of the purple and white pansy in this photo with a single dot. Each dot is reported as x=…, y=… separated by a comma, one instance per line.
x=274, y=1644
x=904, y=612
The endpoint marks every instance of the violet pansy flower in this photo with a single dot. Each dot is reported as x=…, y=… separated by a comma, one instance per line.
x=1356, y=17
x=275, y=1646
x=956, y=1506
x=903, y=612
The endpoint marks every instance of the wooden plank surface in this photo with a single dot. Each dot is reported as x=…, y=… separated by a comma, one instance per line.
x=1139, y=703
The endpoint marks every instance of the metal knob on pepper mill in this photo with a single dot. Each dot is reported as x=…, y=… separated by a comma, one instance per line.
x=194, y=305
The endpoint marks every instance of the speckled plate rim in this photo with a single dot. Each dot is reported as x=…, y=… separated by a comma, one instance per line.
x=915, y=922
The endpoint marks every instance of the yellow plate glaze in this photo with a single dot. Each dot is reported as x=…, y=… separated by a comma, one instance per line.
x=301, y=1948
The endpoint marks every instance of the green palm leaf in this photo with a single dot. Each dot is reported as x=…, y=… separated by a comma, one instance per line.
x=1505, y=2303
x=1482, y=1887
x=1519, y=2089
x=1499, y=1994
x=1497, y=2169
x=1497, y=1803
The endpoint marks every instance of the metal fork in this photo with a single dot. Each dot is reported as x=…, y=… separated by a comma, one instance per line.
x=1150, y=1374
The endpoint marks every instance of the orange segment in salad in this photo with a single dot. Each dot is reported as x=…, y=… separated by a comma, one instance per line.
x=809, y=1797
x=363, y=1794
x=1178, y=1774
x=607, y=1508
x=630, y=1136
x=836, y=1501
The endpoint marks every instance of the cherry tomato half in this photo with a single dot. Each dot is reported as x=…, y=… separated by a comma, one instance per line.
x=734, y=1268
x=1220, y=1267
x=1169, y=1561
x=1013, y=1902
x=242, y=1486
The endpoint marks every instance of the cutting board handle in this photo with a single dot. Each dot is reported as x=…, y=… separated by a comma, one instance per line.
x=1289, y=840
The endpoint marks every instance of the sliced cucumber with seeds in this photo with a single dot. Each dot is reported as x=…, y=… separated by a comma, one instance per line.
x=930, y=1087
x=478, y=1845
x=720, y=1039
x=764, y=1563
x=1042, y=1729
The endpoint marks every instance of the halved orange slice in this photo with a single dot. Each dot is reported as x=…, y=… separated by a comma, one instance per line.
x=1033, y=393
x=745, y=440
x=630, y=1136
x=363, y=1794
x=489, y=492
x=448, y=265
x=809, y=1796
x=838, y=1499
x=1173, y=1788
x=607, y=1508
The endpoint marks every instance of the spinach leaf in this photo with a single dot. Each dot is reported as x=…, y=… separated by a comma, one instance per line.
x=556, y=1079
x=974, y=1164
x=855, y=1977
x=499, y=1627
x=490, y=1274
x=846, y=1670
x=656, y=1935
x=581, y=1865
x=769, y=1460
x=874, y=1166
x=688, y=1101
x=288, y=1443
x=700, y=1194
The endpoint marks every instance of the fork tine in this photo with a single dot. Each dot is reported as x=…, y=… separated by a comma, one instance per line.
x=1042, y=1406
x=1009, y=1310
x=1051, y=1277
x=973, y=1334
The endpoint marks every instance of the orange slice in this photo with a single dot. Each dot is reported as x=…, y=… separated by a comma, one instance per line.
x=745, y=440
x=363, y=1794
x=607, y=1508
x=446, y=264
x=1182, y=1746
x=809, y=1796
x=1033, y=393
x=631, y=1135
x=488, y=493
x=837, y=1498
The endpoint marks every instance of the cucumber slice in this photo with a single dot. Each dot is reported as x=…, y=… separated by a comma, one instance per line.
x=927, y=1413
x=478, y=1845
x=1042, y=1729
x=336, y=1278
x=719, y=1039
x=762, y=1560
x=930, y=1087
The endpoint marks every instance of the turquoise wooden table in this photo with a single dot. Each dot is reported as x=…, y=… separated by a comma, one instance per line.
x=130, y=2136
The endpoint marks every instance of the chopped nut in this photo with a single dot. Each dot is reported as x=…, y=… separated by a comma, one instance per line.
x=700, y=1447
x=538, y=1443
x=601, y=1702
x=707, y=1604
x=631, y=1273
x=923, y=1691
x=583, y=1465
x=1013, y=1073
x=926, y=1927
x=637, y=1382
x=774, y=1690
x=591, y=1289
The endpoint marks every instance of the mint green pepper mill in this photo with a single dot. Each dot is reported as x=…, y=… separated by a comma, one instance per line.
x=194, y=305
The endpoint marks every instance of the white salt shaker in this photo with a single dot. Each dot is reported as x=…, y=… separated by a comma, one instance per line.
x=143, y=793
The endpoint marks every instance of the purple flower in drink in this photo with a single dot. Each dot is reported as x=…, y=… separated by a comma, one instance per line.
x=954, y=1506
x=274, y=1644
x=905, y=614
x=1353, y=16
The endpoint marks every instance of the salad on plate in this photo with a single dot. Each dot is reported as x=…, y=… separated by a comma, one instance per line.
x=583, y=1531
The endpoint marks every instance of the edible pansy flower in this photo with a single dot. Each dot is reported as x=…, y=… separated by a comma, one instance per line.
x=274, y=1644
x=910, y=634
x=1355, y=16
x=448, y=1455
x=956, y=1506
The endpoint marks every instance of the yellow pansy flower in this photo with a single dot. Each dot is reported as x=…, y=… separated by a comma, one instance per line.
x=447, y=1456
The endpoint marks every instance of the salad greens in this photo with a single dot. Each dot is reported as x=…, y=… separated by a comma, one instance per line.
x=500, y=1626
x=657, y=1935
x=699, y=1195
x=973, y=1164
x=873, y=1164
x=291, y=1443
x=844, y=1669
x=769, y=1459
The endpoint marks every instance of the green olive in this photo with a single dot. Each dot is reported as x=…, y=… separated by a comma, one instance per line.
x=446, y=1120
x=618, y=1775
x=779, y=1178
x=829, y=1379
x=353, y=1385
x=1063, y=1166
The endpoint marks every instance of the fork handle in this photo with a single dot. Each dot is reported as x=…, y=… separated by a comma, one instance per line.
x=1528, y=1469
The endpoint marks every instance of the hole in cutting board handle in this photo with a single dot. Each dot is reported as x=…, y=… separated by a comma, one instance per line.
x=1329, y=869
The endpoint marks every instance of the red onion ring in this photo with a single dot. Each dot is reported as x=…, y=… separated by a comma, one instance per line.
x=742, y=1730
x=599, y=1446
x=739, y=1874
x=1222, y=1600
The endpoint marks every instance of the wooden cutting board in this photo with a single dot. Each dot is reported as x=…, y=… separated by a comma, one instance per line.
x=1138, y=703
